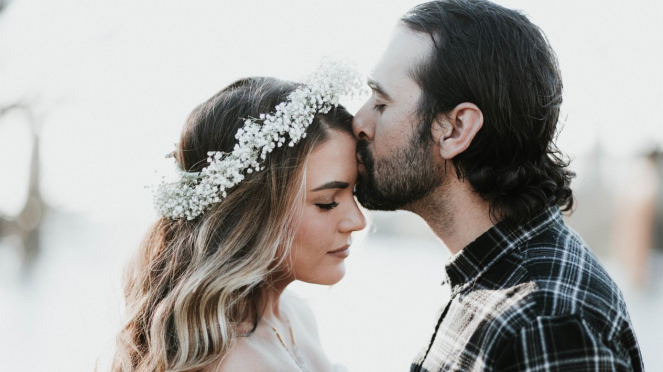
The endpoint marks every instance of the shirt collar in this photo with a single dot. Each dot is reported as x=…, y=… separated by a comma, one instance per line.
x=471, y=262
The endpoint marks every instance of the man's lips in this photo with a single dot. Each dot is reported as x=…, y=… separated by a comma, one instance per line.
x=359, y=159
x=360, y=163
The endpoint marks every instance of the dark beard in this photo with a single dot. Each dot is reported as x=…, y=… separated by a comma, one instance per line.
x=400, y=180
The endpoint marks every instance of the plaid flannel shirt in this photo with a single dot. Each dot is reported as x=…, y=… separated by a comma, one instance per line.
x=531, y=298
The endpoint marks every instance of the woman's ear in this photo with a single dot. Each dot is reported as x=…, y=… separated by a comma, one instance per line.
x=454, y=131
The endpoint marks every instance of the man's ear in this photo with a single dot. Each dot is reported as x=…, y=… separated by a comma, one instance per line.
x=454, y=131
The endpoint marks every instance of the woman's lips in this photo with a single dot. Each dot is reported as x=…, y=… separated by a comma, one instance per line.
x=342, y=252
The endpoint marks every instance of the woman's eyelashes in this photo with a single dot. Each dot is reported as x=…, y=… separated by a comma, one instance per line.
x=327, y=206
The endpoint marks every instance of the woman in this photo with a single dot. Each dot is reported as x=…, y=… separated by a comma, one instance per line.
x=205, y=292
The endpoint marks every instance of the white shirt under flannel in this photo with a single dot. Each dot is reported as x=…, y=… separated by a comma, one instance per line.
x=531, y=298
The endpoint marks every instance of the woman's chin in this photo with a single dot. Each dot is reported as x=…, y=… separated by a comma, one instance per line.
x=330, y=277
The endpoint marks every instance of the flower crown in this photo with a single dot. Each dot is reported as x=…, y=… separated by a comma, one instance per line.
x=193, y=193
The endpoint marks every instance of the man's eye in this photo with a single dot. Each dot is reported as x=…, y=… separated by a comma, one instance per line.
x=328, y=207
x=379, y=108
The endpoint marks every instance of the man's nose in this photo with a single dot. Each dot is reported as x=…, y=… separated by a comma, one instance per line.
x=363, y=125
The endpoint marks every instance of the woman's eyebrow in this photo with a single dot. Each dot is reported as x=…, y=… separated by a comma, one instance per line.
x=332, y=185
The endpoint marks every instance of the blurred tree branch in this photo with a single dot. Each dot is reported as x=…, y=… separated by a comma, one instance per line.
x=25, y=225
x=13, y=106
x=3, y=5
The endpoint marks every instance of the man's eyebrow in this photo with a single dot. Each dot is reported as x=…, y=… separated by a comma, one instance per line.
x=378, y=88
x=332, y=185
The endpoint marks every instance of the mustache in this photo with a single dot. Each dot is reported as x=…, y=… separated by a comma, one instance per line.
x=365, y=178
x=364, y=152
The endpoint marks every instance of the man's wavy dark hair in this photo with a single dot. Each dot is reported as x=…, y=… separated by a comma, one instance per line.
x=497, y=59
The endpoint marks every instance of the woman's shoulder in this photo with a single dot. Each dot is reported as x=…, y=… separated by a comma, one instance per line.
x=254, y=354
x=244, y=355
x=301, y=310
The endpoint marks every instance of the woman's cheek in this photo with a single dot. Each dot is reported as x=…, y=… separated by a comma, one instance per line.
x=310, y=235
x=320, y=235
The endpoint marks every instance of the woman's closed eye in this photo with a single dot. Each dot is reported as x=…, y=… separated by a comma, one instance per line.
x=327, y=206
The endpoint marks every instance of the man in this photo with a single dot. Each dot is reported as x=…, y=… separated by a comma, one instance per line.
x=460, y=130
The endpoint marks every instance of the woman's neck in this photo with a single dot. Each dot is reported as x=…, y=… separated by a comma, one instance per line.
x=271, y=301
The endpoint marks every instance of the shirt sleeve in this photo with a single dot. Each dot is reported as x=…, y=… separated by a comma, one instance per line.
x=559, y=343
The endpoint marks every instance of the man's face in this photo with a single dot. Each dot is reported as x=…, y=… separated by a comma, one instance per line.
x=396, y=164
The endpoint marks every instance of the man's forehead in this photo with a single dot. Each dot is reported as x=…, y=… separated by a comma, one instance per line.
x=406, y=49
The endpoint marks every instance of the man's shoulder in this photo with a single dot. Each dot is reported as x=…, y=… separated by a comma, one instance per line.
x=545, y=282
x=556, y=282
x=569, y=279
x=563, y=266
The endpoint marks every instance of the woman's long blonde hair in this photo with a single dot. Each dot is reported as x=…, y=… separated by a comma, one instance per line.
x=193, y=283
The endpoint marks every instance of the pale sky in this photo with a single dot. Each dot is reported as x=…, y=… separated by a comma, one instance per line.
x=112, y=81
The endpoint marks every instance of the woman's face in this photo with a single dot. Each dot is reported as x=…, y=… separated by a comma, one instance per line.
x=329, y=214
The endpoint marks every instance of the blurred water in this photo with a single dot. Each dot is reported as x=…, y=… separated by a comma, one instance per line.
x=64, y=315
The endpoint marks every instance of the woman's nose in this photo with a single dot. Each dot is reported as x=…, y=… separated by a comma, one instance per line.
x=355, y=220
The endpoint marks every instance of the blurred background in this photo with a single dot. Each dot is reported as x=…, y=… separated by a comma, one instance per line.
x=93, y=94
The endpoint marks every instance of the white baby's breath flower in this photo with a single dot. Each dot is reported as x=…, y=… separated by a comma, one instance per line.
x=194, y=193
